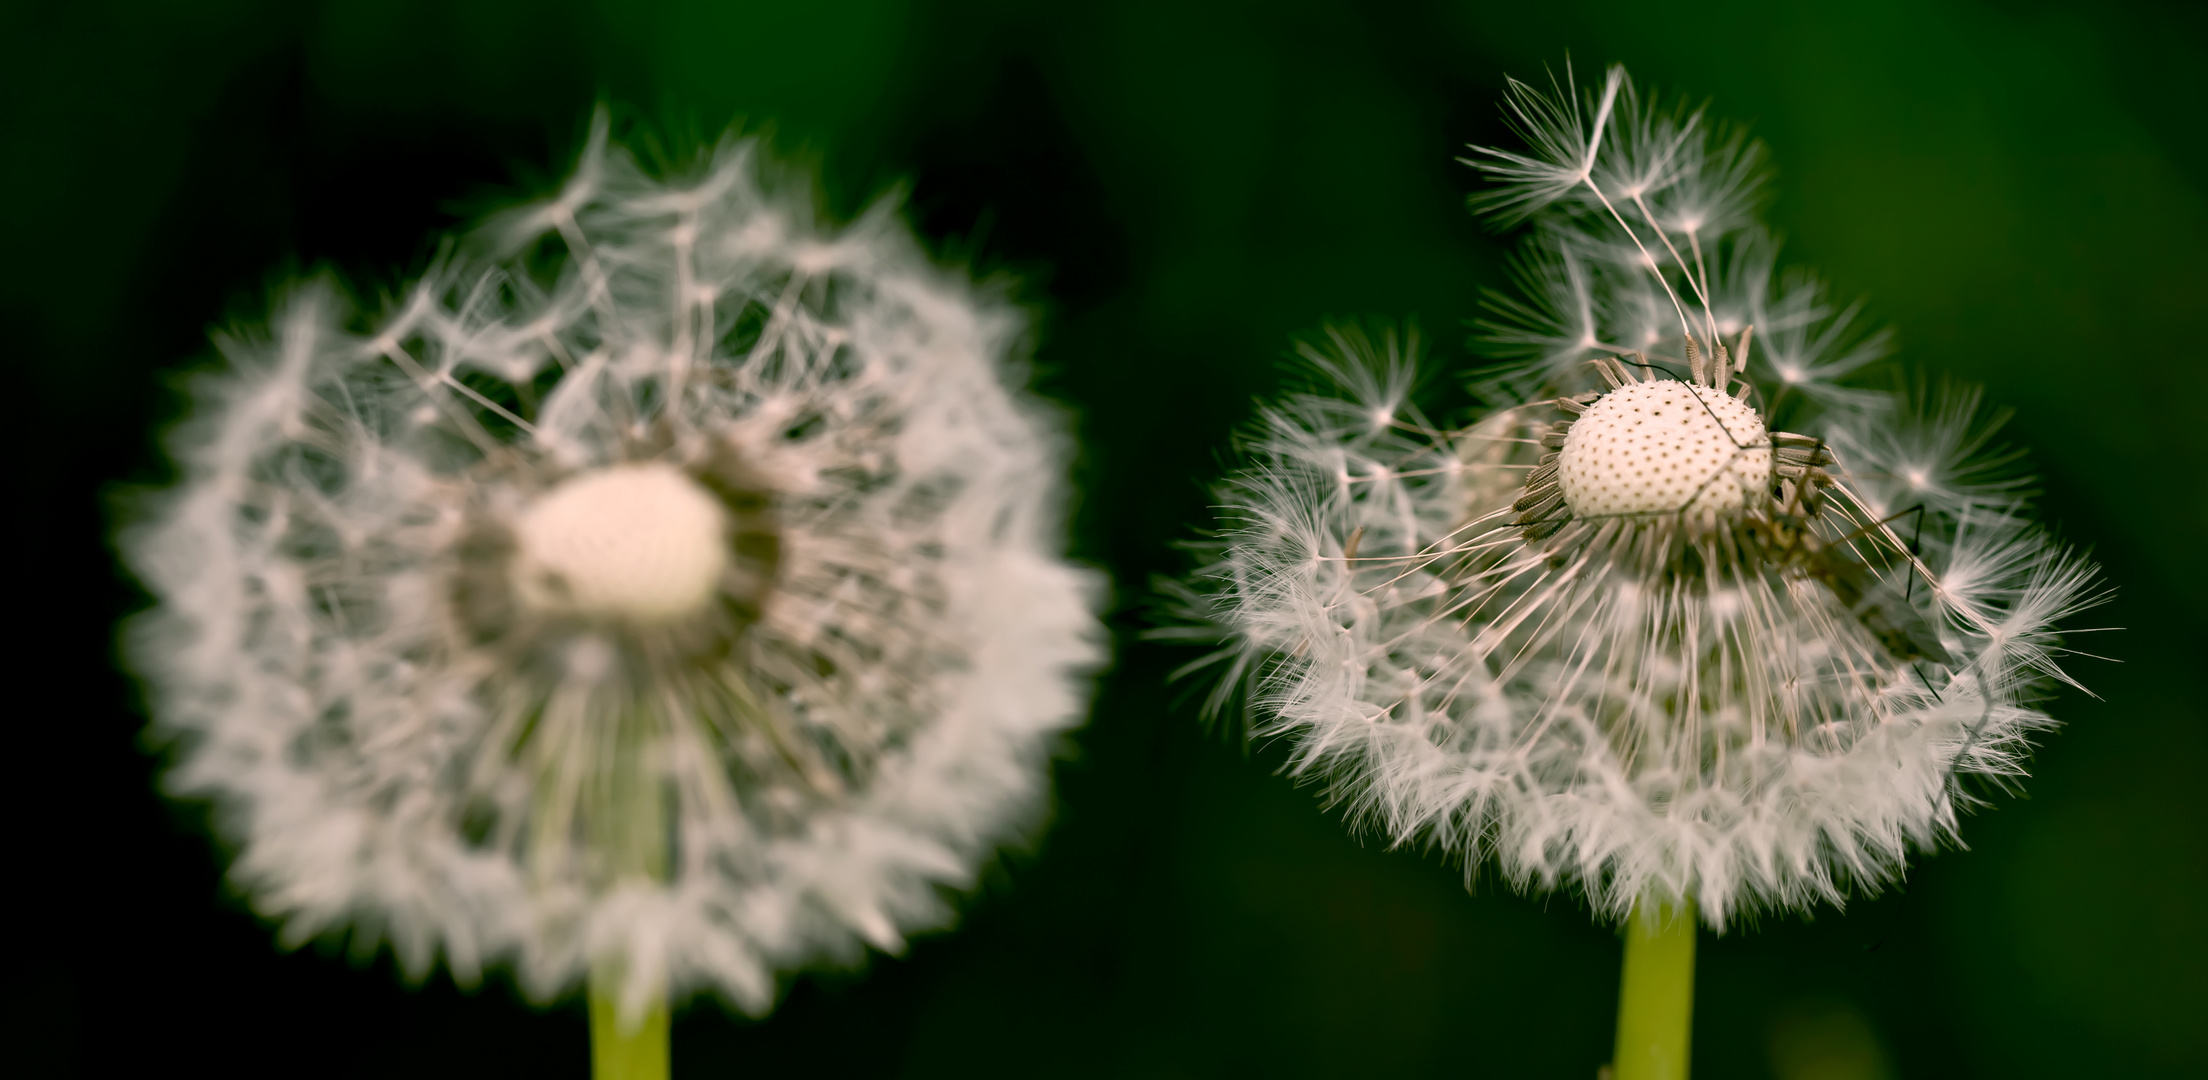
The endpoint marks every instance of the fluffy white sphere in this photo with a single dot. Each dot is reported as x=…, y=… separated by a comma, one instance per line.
x=1647, y=626
x=679, y=601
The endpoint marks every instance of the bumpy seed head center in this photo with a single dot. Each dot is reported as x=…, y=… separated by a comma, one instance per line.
x=638, y=542
x=1665, y=447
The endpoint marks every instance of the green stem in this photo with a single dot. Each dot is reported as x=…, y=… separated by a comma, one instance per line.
x=1656, y=993
x=628, y=827
x=625, y=1053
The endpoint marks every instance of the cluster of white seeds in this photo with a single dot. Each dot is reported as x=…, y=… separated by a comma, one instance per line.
x=1608, y=655
x=678, y=604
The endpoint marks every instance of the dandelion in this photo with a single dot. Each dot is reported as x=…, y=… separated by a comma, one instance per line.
x=1682, y=621
x=673, y=602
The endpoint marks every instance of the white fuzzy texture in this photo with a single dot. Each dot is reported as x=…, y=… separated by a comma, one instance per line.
x=1674, y=681
x=865, y=708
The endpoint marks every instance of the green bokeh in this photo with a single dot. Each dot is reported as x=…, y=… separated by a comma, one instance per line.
x=2020, y=189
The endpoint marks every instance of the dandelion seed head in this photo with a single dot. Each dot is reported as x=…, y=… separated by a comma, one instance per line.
x=680, y=597
x=1694, y=617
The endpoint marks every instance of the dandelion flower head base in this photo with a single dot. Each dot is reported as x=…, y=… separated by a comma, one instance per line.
x=1664, y=447
x=642, y=542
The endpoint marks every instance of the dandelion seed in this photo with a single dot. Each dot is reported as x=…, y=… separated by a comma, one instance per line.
x=680, y=615
x=1651, y=627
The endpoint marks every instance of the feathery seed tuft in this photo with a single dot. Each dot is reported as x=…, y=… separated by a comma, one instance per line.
x=1682, y=613
x=679, y=600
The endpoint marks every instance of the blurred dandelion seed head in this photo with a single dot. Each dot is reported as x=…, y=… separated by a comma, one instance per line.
x=1683, y=613
x=679, y=597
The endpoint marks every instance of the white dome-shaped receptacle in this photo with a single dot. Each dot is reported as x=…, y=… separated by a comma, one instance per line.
x=1649, y=449
x=639, y=542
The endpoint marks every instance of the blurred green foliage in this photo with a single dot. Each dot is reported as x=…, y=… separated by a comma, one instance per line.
x=2020, y=188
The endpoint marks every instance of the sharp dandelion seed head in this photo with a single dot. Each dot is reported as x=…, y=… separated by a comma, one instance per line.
x=1681, y=615
x=678, y=600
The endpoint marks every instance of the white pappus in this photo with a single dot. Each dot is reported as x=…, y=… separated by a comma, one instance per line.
x=1681, y=616
x=677, y=600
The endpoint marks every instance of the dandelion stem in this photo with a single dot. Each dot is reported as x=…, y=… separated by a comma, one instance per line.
x=1656, y=993
x=622, y=1052
x=633, y=818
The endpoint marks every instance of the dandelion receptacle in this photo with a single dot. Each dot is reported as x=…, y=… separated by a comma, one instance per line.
x=1687, y=615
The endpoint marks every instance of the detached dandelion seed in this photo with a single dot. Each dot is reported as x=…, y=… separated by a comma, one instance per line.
x=1682, y=621
x=675, y=603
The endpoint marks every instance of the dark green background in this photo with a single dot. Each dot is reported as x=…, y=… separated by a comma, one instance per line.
x=2019, y=188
